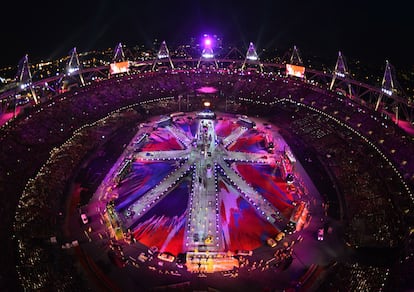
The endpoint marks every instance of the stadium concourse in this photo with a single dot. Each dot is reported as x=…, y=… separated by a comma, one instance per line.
x=274, y=146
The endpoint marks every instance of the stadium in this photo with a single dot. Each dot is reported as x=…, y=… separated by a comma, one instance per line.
x=204, y=173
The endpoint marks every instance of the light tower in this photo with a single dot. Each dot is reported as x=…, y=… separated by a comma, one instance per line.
x=341, y=71
x=163, y=56
x=24, y=77
x=207, y=55
x=388, y=84
x=73, y=67
x=119, y=55
x=252, y=58
x=119, y=63
x=397, y=101
x=295, y=65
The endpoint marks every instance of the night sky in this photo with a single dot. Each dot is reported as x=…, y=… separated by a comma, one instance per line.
x=370, y=32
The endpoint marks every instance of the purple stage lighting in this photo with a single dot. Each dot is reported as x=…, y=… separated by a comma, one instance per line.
x=207, y=89
x=207, y=41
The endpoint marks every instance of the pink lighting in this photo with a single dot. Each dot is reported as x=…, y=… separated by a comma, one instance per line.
x=207, y=41
x=207, y=89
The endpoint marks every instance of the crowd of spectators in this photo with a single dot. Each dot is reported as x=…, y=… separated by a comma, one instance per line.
x=357, y=277
x=40, y=210
x=366, y=191
x=28, y=141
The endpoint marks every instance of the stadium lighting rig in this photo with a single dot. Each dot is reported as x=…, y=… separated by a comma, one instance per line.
x=207, y=54
x=252, y=58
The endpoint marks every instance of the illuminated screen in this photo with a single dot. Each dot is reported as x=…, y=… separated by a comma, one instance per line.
x=120, y=67
x=298, y=71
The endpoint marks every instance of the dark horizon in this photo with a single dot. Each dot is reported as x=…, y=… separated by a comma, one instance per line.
x=371, y=34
